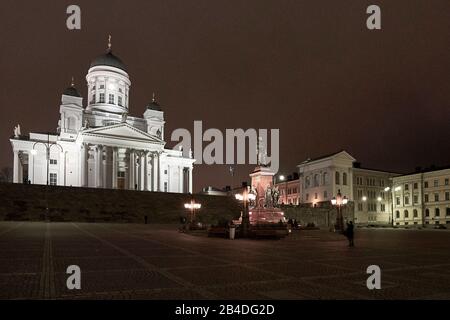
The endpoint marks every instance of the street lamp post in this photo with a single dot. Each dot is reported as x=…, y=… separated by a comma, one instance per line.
x=245, y=197
x=48, y=145
x=339, y=202
x=192, y=206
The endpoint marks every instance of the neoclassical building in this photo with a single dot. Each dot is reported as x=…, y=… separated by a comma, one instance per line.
x=99, y=145
x=320, y=179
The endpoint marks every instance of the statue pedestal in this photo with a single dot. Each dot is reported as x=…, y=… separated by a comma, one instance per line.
x=262, y=180
x=266, y=215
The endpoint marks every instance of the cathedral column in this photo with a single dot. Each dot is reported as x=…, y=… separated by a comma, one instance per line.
x=143, y=170
x=30, y=167
x=180, y=180
x=83, y=165
x=114, y=168
x=16, y=167
x=137, y=171
x=104, y=162
x=158, y=171
x=99, y=166
x=132, y=167
x=190, y=180
x=146, y=171
x=155, y=172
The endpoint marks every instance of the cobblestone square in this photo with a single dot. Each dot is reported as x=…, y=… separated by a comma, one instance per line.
x=131, y=261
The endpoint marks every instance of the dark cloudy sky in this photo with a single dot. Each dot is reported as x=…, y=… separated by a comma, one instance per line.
x=307, y=67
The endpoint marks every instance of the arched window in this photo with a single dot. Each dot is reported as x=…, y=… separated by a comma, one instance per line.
x=397, y=214
x=406, y=214
x=427, y=212
x=337, y=178
x=344, y=179
x=71, y=124
x=415, y=213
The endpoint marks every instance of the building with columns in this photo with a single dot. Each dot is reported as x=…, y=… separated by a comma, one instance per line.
x=99, y=145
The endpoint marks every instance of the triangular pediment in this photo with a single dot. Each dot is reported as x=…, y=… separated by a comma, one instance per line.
x=122, y=131
x=344, y=155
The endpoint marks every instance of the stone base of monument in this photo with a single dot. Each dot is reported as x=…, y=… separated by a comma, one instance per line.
x=266, y=215
x=265, y=223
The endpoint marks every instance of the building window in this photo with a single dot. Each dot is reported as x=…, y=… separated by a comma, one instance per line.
x=397, y=214
x=416, y=199
x=307, y=183
x=360, y=207
x=315, y=196
x=120, y=90
x=427, y=212
x=436, y=197
x=325, y=178
x=121, y=174
x=53, y=179
x=111, y=98
x=71, y=123
x=406, y=187
x=383, y=207
x=406, y=214
x=397, y=201
x=316, y=180
x=53, y=161
x=406, y=200
x=325, y=194
x=436, y=183
x=437, y=212
x=337, y=178
x=119, y=102
x=426, y=198
x=447, y=211
x=101, y=98
x=446, y=181
x=165, y=171
x=425, y=184
x=344, y=178
x=165, y=187
x=415, y=215
x=415, y=186
x=307, y=197
x=447, y=196
x=102, y=86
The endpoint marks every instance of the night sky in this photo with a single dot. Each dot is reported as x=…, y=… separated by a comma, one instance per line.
x=310, y=68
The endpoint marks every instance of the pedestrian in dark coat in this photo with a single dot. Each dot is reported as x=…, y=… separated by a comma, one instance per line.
x=350, y=233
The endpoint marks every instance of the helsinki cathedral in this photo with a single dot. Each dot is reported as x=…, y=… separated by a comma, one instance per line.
x=99, y=145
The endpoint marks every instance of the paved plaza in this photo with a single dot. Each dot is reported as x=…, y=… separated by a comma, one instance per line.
x=124, y=261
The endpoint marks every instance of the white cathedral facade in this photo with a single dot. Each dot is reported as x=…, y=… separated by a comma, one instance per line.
x=99, y=145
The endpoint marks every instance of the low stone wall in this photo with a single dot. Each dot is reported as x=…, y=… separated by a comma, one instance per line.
x=21, y=202
x=323, y=216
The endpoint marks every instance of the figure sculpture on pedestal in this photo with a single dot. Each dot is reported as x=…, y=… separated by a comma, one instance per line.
x=261, y=153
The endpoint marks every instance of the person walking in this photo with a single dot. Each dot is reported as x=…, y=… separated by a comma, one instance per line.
x=350, y=233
